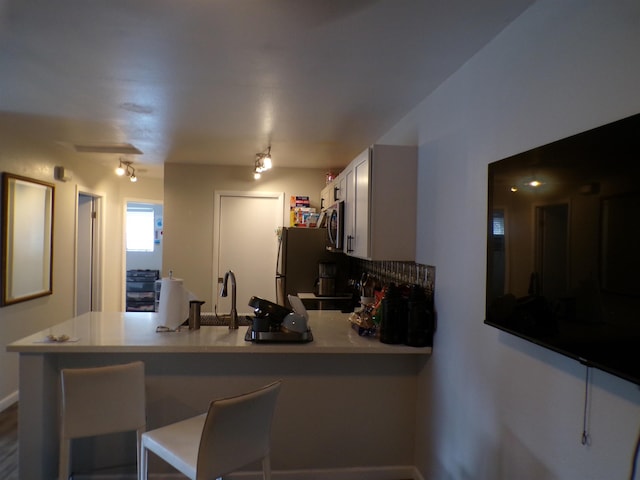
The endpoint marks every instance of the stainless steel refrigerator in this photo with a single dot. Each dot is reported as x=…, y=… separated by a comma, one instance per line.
x=300, y=250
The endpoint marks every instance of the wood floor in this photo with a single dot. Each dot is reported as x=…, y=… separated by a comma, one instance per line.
x=9, y=443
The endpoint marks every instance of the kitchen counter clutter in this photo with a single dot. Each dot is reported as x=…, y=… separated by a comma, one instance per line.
x=135, y=332
x=341, y=393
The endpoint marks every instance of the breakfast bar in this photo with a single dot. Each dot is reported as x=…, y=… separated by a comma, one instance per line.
x=348, y=402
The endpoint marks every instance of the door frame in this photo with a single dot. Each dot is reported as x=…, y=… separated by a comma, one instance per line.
x=217, y=195
x=97, y=249
x=123, y=258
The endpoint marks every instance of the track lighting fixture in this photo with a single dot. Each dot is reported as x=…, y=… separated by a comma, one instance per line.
x=125, y=167
x=263, y=163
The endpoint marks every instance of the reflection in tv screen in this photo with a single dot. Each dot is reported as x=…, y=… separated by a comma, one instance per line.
x=563, y=247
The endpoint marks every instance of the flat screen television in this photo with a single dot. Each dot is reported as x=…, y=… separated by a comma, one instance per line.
x=563, y=249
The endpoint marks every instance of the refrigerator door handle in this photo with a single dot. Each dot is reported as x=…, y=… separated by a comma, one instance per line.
x=280, y=258
x=280, y=293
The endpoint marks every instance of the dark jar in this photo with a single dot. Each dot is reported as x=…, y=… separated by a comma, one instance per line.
x=419, y=319
x=393, y=327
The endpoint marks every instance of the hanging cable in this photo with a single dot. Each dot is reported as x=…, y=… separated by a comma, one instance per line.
x=586, y=438
x=634, y=460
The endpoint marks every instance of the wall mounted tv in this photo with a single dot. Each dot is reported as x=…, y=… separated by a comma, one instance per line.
x=563, y=251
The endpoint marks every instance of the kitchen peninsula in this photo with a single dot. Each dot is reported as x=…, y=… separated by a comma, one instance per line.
x=347, y=401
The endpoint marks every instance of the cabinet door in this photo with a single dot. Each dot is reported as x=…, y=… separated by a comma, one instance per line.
x=349, y=209
x=325, y=197
x=339, y=188
x=361, y=171
x=333, y=192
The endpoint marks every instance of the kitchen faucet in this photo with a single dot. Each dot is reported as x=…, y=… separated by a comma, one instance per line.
x=233, y=320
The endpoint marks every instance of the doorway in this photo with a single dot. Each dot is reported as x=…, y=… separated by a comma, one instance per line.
x=245, y=241
x=88, y=289
x=497, y=264
x=551, y=247
x=143, y=253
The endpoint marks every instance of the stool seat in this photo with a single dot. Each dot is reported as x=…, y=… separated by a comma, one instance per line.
x=174, y=443
x=233, y=433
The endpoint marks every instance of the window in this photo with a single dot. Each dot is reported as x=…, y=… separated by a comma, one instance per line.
x=140, y=229
x=498, y=223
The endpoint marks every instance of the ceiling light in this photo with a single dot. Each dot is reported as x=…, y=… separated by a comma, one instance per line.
x=125, y=167
x=263, y=163
x=267, y=162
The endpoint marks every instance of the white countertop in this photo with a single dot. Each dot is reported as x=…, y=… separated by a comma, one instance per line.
x=313, y=296
x=136, y=332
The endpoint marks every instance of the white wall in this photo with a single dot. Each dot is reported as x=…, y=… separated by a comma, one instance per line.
x=37, y=161
x=493, y=406
x=188, y=213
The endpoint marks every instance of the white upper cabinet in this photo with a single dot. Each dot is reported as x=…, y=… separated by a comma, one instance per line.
x=380, y=205
x=325, y=197
x=333, y=192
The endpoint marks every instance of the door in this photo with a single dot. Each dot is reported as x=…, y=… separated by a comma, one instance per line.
x=552, y=236
x=88, y=293
x=245, y=241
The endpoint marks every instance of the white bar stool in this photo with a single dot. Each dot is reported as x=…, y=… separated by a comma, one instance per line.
x=99, y=401
x=233, y=433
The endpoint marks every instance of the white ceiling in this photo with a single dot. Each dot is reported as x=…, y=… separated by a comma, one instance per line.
x=216, y=81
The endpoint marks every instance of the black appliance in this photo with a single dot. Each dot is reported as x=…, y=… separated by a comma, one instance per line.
x=300, y=250
x=563, y=247
x=326, y=279
x=335, y=227
x=267, y=324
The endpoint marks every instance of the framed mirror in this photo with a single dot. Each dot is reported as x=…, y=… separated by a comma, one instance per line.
x=27, y=238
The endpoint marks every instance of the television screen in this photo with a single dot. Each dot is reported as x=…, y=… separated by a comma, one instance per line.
x=563, y=250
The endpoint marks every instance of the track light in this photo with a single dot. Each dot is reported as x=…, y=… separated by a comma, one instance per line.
x=266, y=161
x=125, y=167
x=263, y=163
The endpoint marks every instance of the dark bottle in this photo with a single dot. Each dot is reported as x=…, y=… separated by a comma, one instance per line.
x=419, y=319
x=393, y=325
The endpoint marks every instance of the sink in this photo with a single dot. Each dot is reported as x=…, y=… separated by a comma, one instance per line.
x=211, y=319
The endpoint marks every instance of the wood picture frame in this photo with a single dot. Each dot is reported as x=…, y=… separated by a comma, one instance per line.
x=27, y=238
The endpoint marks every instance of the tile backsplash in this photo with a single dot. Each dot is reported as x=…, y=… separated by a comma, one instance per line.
x=387, y=271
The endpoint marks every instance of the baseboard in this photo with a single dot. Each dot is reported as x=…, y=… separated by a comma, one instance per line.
x=396, y=472
x=9, y=400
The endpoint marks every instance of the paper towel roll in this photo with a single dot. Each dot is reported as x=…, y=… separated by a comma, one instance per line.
x=173, y=307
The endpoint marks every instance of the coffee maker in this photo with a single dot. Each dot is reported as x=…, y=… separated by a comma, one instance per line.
x=275, y=323
x=326, y=279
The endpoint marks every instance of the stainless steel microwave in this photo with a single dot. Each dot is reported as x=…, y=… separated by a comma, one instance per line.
x=335, y=227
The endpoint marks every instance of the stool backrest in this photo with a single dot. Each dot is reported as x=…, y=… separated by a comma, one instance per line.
x=102, y=400
x=236, y=432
